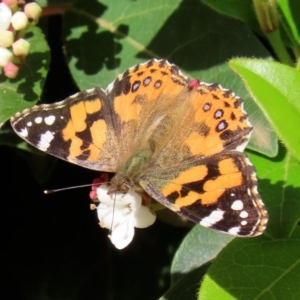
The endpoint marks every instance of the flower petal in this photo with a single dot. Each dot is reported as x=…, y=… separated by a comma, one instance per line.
x=133, y=199
x=105, y=215
x=119, y=200
x=102, y=195
x=122, y=236
x=144, y=217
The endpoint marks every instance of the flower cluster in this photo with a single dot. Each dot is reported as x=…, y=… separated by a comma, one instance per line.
x=120, y=213
x=15, y=19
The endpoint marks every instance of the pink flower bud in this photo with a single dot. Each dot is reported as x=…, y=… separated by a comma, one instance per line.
x=21, y=48
x=11, y=3
x=11, y=70
x=5, y=56
x=19, y=20
x=33, y=11
x=6, y=38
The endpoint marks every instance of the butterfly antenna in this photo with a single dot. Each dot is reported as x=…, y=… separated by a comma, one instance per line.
x=70, y=188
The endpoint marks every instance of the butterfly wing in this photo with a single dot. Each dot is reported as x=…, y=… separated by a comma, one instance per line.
x=218, y=192
x=79, y=129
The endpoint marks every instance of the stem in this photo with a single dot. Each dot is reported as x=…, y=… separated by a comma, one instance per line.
x=279, y=48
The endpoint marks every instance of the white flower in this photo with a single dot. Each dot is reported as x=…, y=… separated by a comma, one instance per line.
x=121, y=213
x=5, y=16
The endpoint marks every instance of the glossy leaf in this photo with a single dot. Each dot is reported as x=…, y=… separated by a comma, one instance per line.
x=199, y=247
x=276, y=89
x=254, y=269
x=289, y=9
x=187, y=287
x=239, y=9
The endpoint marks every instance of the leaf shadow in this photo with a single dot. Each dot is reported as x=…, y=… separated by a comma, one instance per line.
x=187, y=284
x=283, y=205
x=92, y=50
x=198, y=37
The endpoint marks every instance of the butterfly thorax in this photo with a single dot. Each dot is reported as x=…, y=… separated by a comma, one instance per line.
x=128, y=176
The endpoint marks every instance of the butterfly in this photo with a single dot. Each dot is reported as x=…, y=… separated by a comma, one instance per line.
x=179, y=140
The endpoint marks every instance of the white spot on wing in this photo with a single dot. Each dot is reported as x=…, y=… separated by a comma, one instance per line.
x=23, y=132
x=110, y=87
x=49, y=120
x=234, y=230
x=29, y=124
x=237, y=205
x=45, y=140
x=222, y=125
x=244, y=214
x=242, y=146
x=38, y=120
x=214, y=217
x=244, y=223
x=90, y=91
x=74, y=96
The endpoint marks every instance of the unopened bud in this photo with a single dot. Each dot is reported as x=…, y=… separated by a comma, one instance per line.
x=33, y=11
x=6, y=38
x=19, y=20
x=266, y=12
x=11, y=70
x=11, y=3
x=21, y=48
x=5, y=56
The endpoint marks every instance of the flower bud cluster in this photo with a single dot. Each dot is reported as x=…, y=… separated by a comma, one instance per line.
x=16, y=18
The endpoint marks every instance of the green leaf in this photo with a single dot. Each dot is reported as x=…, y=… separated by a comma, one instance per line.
x=288, y=9
x=200, y=246
x=103, y=40
x=187, y=287
x=25, y=90
x=276, y=89
x=197, y=250
x=254, y=269
x=279, y=186
x=240, y=9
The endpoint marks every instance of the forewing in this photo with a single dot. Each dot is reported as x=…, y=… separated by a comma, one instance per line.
x=78, y=129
